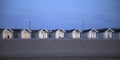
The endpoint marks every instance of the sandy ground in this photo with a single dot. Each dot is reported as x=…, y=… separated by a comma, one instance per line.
x=61, y=49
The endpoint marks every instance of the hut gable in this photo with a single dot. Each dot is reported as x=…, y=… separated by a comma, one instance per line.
x=73, y=33
x=116, y=30
x=58, y=33
x=105, y=33
x=26, y=33
x=89, y=33
x=6, y=33
x=104, y=30
x=43, y=33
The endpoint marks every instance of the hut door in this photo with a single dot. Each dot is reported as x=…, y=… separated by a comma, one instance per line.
x=8, y=36
x=109, y=34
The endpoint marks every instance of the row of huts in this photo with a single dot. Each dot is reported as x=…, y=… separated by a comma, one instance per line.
x=106, y=33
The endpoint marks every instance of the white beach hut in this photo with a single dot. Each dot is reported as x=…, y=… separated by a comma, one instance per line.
x=42, y=33
x=73, y=33
x=58, y=33
x=89, y=33
x=6, y=33
x=106, y=33
x=22, y=33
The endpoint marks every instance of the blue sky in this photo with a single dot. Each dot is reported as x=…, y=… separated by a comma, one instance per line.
x=66, y=14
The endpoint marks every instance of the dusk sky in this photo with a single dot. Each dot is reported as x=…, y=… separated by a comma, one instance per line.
x=66, y=14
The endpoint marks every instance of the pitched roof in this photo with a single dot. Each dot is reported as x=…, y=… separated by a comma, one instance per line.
x=6, y=29
x=86, y=30
x=39, y=30
x=72, y=30
x=9, y=29
x=57, y=30
x=116, y=29
x=19, y=30
x=35, y=31
x=104, y=29
x=27, y=30
x=89, y=30
x=44, y=29
x=16, y=29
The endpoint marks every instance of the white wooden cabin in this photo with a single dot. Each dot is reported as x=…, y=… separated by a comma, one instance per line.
x=74, y=33
x=116, y=34
x=42, y=33
x=22, y=33
x=89, y=33
x=6, y=33
x=105, y=33
x=58, y=34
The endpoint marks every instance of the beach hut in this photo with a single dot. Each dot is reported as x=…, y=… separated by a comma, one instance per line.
x=22, y=33
x=6, y=33
x=89, y=33
x=73, y=33
x=105, y=33
x=58, y=34
x=42, y=33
